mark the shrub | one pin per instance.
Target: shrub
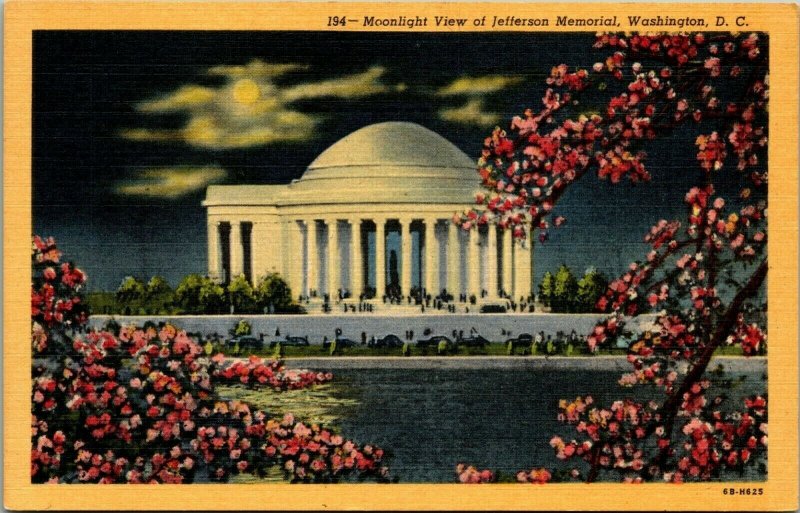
(241, 296)
(242, 328)
(272, 290)
(197, 294)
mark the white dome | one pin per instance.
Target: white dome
(392, 162)
(385, 163)
(397, 144)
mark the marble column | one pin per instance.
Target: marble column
(334, 262)
(507, 262)
(453, 261)
(522, 268)
(237, 252)
(295, 258)
(214, 251)
(431, 258)
(405, 250)
(491, 261)
(356, 259)
(380, 257)
(312, 255)
(474, 264)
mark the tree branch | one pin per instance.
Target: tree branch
(720, 334)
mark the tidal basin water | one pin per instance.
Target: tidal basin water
(494, 413)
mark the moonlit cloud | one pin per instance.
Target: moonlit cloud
(471, 113)
(250, 108)
(171, 182)
(150, 134)
(256, 68)
(186, 97)
(352, 86)
(478, 85)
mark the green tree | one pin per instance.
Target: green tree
(565, 290)
(159, 295)
(212, 297)
(187, 294)
(197, 294)
(273, 290)
(101, 302)
(241, 295)
(130, 295)
(546, 289)
(590, 288)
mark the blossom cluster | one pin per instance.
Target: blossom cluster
(468, 474)
(740, 232)
(612, 435)
(716, 440)
(304, 453)
(162, 395)
(54, 290)
(713, 440)
(140, 405)
(656, 83)
(256, 372)
(604, 332)
(662, 81)
(535, 476)
(672, 335)
(691, 281)
(750, 337)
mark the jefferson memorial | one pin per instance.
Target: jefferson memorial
(370, 217)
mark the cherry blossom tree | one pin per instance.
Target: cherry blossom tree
(141, 405)
(703, 274)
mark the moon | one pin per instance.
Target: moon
(246, 91)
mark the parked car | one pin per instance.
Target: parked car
(389, 341)
(345, 342)
(341, 343)
(434, 341)
(493, 309)
(474, 341)
(524, 340)
(246, 342)
(291, 342)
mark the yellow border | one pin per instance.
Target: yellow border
(21, 17)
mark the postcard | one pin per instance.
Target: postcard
(429, 256)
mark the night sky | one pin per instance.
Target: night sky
(129, 128)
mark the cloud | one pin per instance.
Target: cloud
(478, 85)
(471, 113)
(171, 182)
(250, 109)
(353, 86)
(150, 134)
(256, 68)
(186, 97)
